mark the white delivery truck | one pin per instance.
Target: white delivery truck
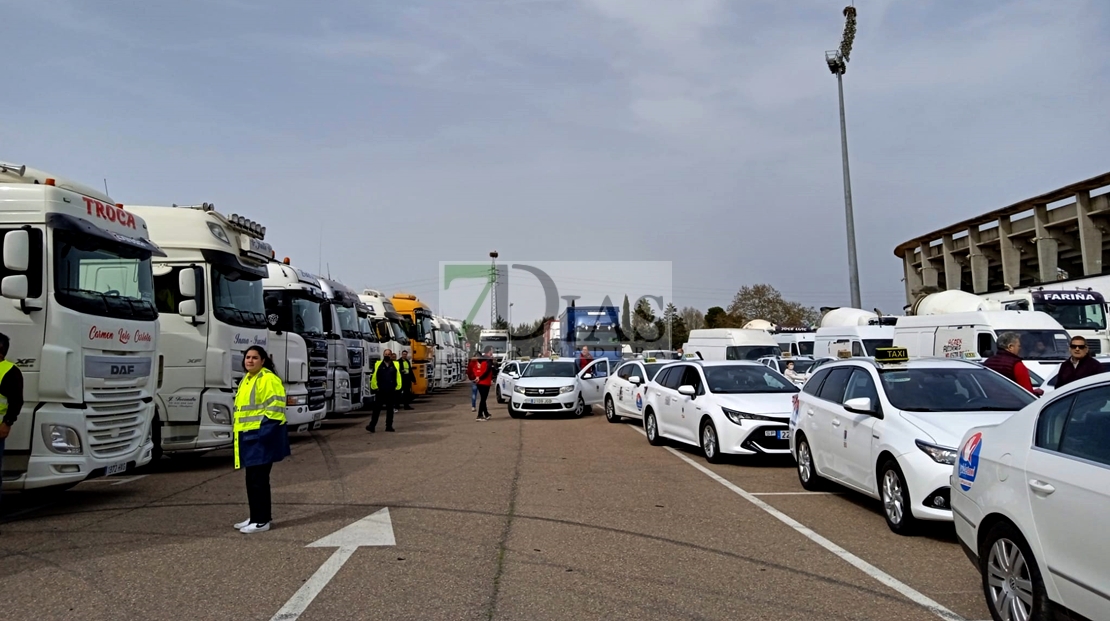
(795, 341)
(208, 289)
(387, 322)
(852, 330)
(972, 335)
(83, 327)
(294, 314)
(730, 344)
(1082, 312)
(344, 348)
(498, 340)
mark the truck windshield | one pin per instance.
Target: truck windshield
(307, 317)
(367, 330)
(500, 344)
(348, 322)
(599, 335)
(237, 300)
(952, 390)
(99, 277)
(1075, 316)
(751, 352)
(400, 332)
(873, 344)
(1042, 344)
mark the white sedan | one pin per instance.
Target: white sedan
(1030, 495)
(624, 390)
(735, 407)
(890, 430)
(557, 385)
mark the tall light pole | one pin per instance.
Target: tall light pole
(509, 349)
(838, 63)
(493, 289)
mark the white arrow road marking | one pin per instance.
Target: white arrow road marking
(375, 529)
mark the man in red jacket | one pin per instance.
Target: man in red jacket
(481, 373)
(585, 359)
(1007, 360)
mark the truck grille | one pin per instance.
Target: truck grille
(1094, 346)
(356, 388)
(317, 371)
(354, 357)
(114, 429)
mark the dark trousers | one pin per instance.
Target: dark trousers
(406, 393)
(258, 492)
(483, 392)
(383, 399)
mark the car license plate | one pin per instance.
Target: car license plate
(539, 401)
(783, 435)
(115, 469)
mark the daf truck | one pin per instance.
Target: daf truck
(84, 330)
(418, 317)
(344, 347)
(208, 290)
(294, 315)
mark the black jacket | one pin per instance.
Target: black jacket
(1069, 373)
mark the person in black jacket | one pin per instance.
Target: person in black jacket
(1079, 365)
(11, 392)
(407, 378)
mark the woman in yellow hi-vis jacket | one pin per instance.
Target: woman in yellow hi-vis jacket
(260, 434)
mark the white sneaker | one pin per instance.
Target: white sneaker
(241, 525)
(473, 409)
(255, 528)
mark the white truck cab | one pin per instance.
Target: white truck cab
(386, 322)
(208, 290)
(84, 332)
(344, 347)
(1082, 312)
(371, 347)
(731, 344)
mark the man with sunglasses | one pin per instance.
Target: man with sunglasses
(1079, 365)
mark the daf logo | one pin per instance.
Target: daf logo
(123, 369)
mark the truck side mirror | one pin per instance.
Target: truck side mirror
(17, 251)
(13, 287)
(188, 308)
(187, 285)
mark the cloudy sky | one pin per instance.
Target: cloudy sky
(404, 133)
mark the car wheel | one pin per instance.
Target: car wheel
(497, 394)
(580, 408)
(611, 411)
(651, 429)
(896, 499)
(1012, 580)
(710, 444)
(807, 471)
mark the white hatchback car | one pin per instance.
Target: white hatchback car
(624, 390)
(890, 430)
(736, 407)
(556, 385)
(1030, 495)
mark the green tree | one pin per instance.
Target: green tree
(672, 319)
(626, 319)
(765, 302)
(643, 322)
(717, 317)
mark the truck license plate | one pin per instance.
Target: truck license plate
(115, 469)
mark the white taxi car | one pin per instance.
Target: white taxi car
(736, 407)
(1030, 495)
(890, 429)
(557, 385)
(624, 390)
(506, 378)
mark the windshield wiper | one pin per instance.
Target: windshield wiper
(242, 315)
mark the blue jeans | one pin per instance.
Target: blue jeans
(473, 397)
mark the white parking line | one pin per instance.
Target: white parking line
(874, 572)
(795, 493)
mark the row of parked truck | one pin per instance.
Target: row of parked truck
(129, 324)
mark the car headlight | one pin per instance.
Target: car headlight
(298, 400)
(566, 389)
(61, 439)
(940, 454)
(219, 413)
(518, 390)
(738, 417)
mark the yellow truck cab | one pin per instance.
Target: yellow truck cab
(419, 324)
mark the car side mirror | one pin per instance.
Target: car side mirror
(635, 379)
(587, 376)
(687, 390)
(187, 284)
(514, 374)
(17, 252)
(13, 287)
(860, 405)
(188, 308)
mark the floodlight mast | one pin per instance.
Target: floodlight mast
(837, 61)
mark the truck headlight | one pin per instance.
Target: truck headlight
(298, 400)
(565, 389)
(219, 413)
(518, 390)
(940, 454)
(61, 439)
(345, 384)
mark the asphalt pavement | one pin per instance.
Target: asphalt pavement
(543, 518)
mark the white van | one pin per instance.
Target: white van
(795, 342)
(857, 340)
(1044, 342)
(731, 344)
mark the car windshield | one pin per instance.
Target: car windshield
(952, 390)
(872, 344)
(1042, 344)
(550, 369)
(751, 352)
(744, 379)
(800, 366)
(237, 299)
(652, 369)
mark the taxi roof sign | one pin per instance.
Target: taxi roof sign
(891, 354)
(649, 359)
